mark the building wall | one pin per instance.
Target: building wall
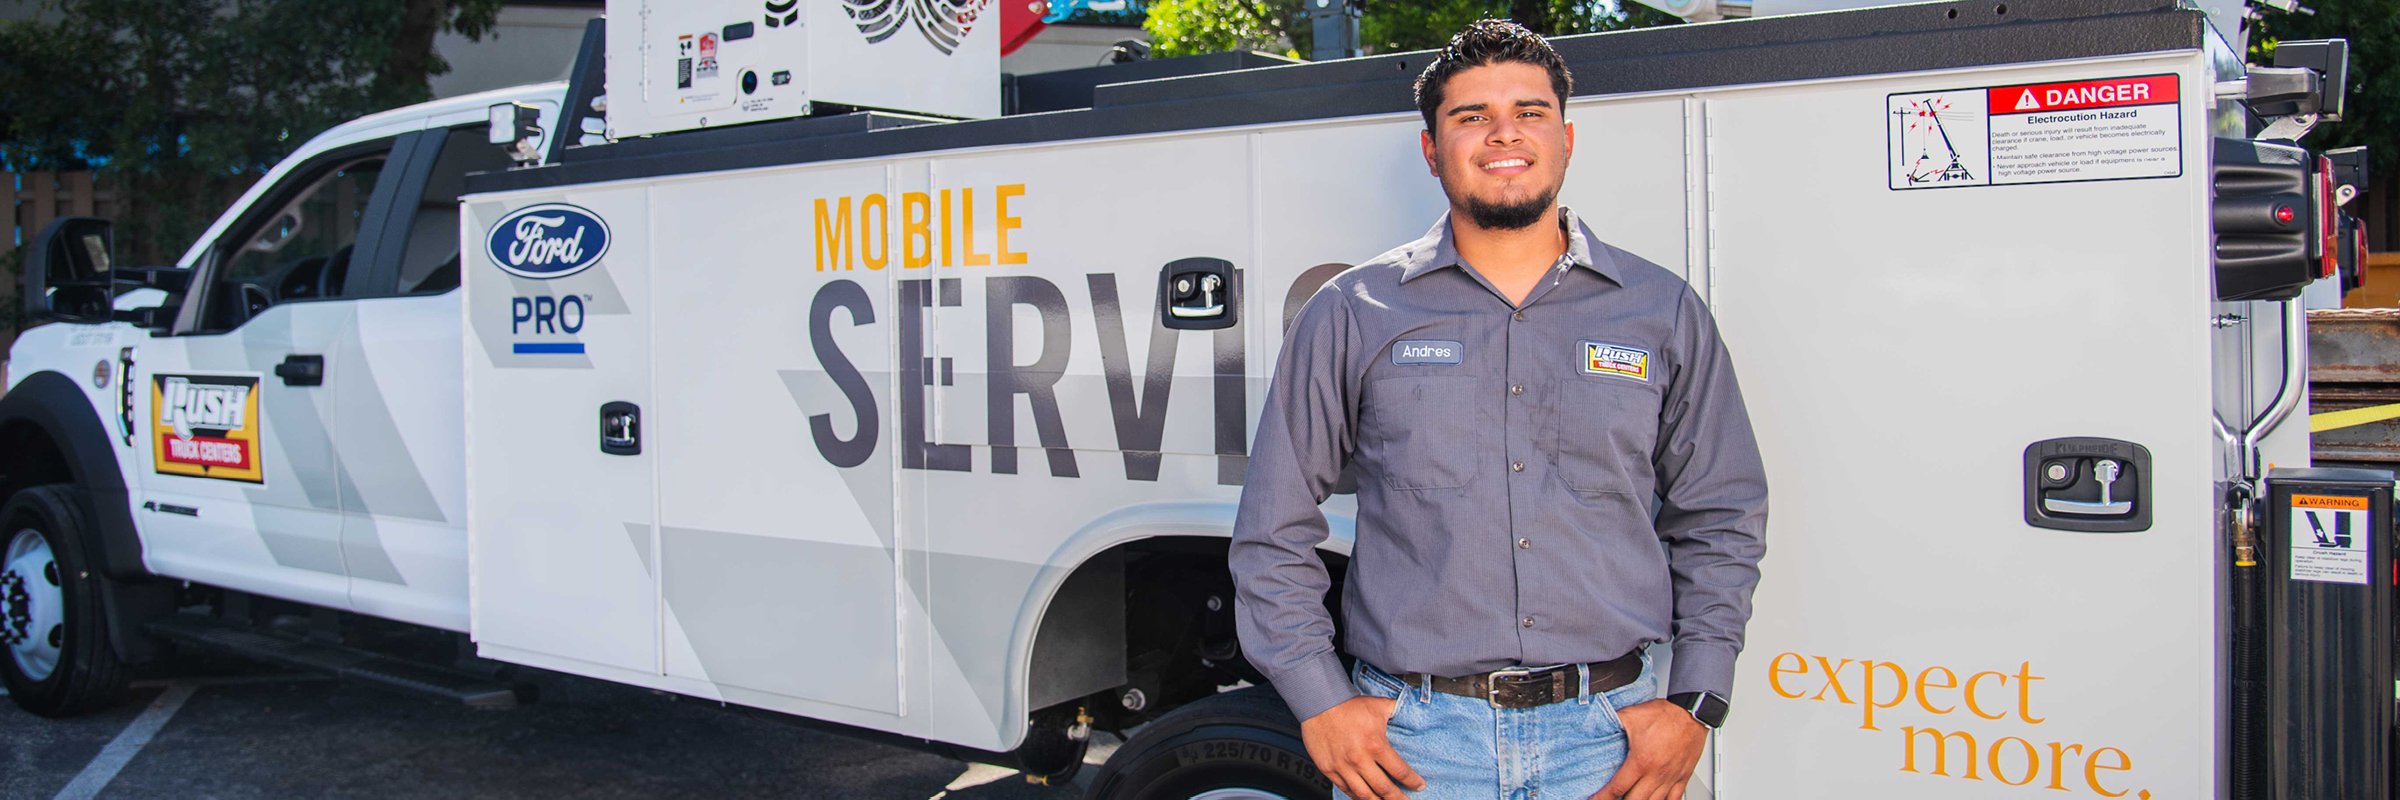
(530, 44)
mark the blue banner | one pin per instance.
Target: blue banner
(1060, 10)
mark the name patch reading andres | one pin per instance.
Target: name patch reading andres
(1427, 351)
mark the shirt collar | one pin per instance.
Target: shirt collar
(1436, 251)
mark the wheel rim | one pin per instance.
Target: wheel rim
(32, 606)
(1238, 794)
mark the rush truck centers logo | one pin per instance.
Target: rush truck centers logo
(206, 426)
(1602, 358)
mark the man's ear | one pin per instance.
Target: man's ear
(1425, 140)
(1570, 139)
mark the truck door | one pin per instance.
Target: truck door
(400, 435)
(235, 417)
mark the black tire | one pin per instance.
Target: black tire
(1243, 739)
(87, 675)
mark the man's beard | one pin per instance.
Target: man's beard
(1509, 216)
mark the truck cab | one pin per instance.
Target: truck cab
(288, 422)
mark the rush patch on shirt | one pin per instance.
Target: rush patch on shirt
(1427, 351)
(1602, 358)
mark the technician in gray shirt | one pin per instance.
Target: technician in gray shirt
(1516, 395)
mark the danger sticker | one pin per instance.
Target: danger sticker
(2116, 93)
(2094, 130)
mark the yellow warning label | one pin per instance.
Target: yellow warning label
(2329, 501)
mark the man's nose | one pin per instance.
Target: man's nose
(1505, 131)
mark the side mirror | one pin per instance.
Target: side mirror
(149, 297)
(70, 271)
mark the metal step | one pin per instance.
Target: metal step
(347, 663)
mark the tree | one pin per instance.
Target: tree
(183, 104)
(2372, 113)
(1186, 27)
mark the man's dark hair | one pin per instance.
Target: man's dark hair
(1490, 41)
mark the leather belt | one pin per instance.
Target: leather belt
(1530, 688)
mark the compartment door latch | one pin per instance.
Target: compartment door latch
(621, 428)
(1199, 294)
(2087, 484)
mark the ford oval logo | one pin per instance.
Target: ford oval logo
(551, 240)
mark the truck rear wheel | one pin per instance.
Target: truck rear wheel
(52, 621)
(1239, 745)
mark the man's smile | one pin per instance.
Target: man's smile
(1507, 166)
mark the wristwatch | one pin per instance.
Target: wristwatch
(1707, 707)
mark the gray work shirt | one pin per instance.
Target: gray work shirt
(1509, 457)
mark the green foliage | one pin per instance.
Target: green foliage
(1187, 27)
(1191, 27)
(2372, 115)
(183, 103)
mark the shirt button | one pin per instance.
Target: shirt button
(1524, 544)
(1519, 316)
(1516, 390)
(1517, 466)
(1529, 622)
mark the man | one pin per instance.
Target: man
(1518, 397)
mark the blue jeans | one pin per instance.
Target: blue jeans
(1465, 748)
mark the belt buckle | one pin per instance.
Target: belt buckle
(1491, 683)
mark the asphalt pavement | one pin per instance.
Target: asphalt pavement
(214, 727)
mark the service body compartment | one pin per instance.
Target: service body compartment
(561, 548)
(1900, 349)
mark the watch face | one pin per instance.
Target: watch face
(1706, 707)
(1710, 710)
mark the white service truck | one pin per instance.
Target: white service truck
(934, 428)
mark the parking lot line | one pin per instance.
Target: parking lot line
(129, 743)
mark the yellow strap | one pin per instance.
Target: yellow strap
(2337, 420)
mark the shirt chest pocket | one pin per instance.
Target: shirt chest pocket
(1424, 432)
(1603, 434)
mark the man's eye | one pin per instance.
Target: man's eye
(1471, 118)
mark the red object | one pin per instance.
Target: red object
(207, 451)
(1019, 21)
(2283, 214)
(2109, 93)
(2329, 223)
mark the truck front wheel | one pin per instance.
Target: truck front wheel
(1239, 745)
(52, 622)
